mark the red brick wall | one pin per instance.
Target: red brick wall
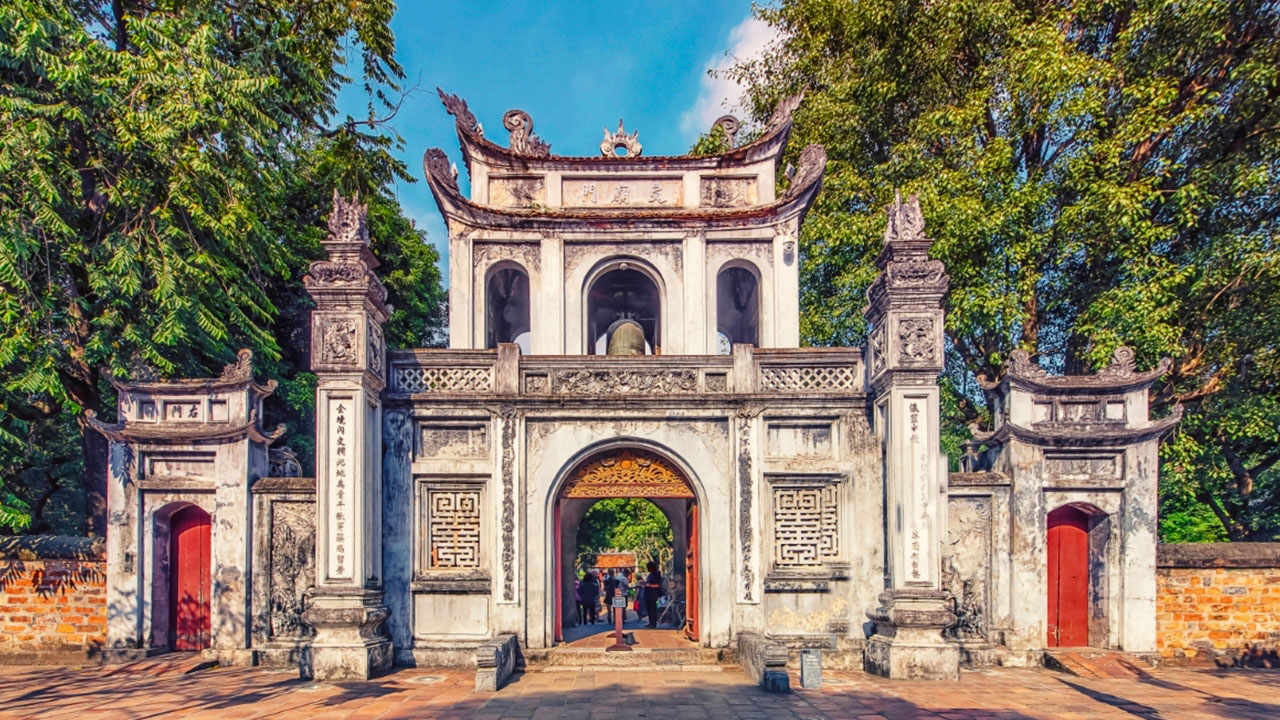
(1219, 603)
(52, 610)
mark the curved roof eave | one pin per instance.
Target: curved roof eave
(456, 208)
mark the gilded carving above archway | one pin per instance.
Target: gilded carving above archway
(626, 473)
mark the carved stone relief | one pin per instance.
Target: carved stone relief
(293, 566)
(725, 192)
(374, 349)
(576, 254)
(338, 341)
(877, 349)
(624, 382)
(527, 254)
(966, 560)
(517, 192)
(916, 340)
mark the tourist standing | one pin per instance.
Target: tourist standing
(625, 588)
(588, 596)
(652, 587)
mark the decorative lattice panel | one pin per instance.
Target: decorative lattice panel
(441, 379)
(454, 529)
(810, 379)
(806, 526)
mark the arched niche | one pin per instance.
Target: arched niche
(623, 290)
(507, 311)
(737, 306)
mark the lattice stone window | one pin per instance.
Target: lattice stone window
(806, 525)
(810, 379)
(416, 379)
(453, 529)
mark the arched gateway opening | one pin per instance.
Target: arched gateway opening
(628, 473)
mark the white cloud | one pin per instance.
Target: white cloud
(720, 95)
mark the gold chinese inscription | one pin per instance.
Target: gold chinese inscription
(626, 473)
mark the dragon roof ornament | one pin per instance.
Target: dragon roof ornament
(465, 119)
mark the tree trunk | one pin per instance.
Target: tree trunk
(94, 445)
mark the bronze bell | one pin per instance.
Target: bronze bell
(627, 339)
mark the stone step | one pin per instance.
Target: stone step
(633, 668)
(1097, 663)
(599, 658)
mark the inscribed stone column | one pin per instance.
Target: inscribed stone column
(906, 355)
(347, 357)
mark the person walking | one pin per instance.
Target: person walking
(652, 591)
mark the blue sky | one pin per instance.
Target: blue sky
(576, 67)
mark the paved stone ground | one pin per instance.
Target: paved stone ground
(161, 689)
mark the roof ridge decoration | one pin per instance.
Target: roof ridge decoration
(347, 220)
(730, 126)
(522, 140)
(783, 111)
(1120, 371)
(463, 117)
(620, 140)
(812, 163)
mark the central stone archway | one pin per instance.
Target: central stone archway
(628, 472)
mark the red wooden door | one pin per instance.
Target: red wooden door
(1068, 578)
(189, 579)
(559, 621)
(691, 626)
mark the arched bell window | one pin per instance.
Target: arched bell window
(623, 299)
(507, 308)
(737, 308)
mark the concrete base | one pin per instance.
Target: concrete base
(347, 644)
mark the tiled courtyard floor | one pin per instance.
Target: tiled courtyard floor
(160, 690)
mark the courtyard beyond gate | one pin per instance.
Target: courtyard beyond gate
(166, 688)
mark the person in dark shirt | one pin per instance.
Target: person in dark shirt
(588, 595)
(652, 591)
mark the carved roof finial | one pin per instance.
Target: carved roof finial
(782, 113)
(812, 163)
(523, 141)
(906, 224)
(730, 125)
(347, 220)
(436, 164)
(457, 107)
(620, 140)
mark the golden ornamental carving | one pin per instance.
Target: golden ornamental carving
(626, 473)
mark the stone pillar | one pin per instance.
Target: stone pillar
(905, 356)
(348, 358)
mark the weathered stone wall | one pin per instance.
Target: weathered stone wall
(1219, 602)
(53, 599)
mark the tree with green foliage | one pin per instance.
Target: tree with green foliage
(164, 173)
(630, 525)
(1095, 173)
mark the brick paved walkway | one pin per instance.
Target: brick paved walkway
(161, 689)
